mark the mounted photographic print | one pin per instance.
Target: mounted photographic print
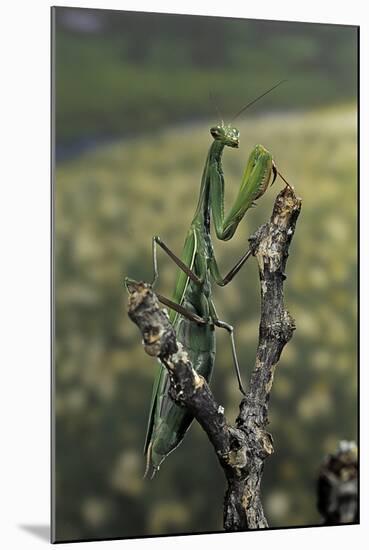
(205, 192)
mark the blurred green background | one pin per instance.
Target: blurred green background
(132, 131)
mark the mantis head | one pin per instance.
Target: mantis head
(226, 134)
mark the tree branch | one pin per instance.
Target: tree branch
(241, 449)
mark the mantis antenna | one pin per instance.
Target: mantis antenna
(257, 99)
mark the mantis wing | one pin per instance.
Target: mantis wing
(188, 257)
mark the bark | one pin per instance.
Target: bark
(243, 447)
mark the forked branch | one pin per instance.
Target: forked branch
(241, 448)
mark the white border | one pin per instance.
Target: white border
(25, 237)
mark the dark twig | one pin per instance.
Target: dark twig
(241, 449)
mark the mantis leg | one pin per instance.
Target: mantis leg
(201, 321)
(223, 281)
(230, 330)
(157, 240)
(182, 311)
(256, 178)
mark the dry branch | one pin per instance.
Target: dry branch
(241, 449)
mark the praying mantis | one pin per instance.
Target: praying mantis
(192, 311)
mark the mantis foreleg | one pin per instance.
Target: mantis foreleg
(255, 181)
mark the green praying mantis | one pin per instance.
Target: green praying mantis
(192, 311)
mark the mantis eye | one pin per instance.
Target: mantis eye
(215, 132)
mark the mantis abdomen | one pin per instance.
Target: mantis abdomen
(171, 421)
